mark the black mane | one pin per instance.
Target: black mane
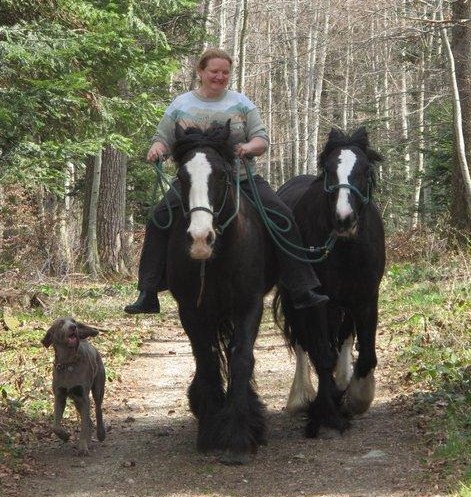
(338, 138)
(215, 137)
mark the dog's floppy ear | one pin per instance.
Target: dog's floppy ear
(85, 331)
(47, 340)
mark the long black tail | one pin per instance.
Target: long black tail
(282, 313)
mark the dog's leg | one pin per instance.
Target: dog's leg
(82, 404)
(60, 399)
(98, 392)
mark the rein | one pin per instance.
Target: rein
(276, 232)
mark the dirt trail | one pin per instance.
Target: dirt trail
(150, 448)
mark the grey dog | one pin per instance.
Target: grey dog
(78, 368)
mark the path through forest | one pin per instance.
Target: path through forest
(150, 446)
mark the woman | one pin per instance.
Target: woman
(212, 103)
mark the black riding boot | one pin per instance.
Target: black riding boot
(309, 298)
(146, 303)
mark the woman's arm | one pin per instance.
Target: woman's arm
(256, 146)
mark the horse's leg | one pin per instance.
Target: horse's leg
(324, 410)
(344, 366)
(242, 422)
(361, 390)
(205, 393)
(302, 392)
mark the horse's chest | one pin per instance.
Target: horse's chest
(349, 273)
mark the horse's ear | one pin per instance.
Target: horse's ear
(335, 134)
(360, 137)
(179, 131)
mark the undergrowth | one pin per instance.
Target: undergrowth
(426, 307)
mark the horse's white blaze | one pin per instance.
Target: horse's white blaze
(302, 391)
(347, 161)
(201, 224)
(344, 367)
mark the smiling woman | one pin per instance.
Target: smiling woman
(214, 77)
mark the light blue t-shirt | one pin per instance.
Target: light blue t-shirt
(192, 110)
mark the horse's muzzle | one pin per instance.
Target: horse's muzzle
(201, 245)
(346, 227)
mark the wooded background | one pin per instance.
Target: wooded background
(84, 83)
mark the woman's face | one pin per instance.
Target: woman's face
(215, 76)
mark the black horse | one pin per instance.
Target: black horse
(221, 263)
(337, 206)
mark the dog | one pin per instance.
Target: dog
(78, 368)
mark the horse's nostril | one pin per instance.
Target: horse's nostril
(189, 237)
(210, 238)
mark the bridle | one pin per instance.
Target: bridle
(365, 199)
(228, 183)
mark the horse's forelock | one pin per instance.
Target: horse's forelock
(195, 138)
(338, 138)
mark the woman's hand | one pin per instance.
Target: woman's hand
(158, 149)
(256, 146)
(242, 149)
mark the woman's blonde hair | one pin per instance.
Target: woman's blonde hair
(212, 53)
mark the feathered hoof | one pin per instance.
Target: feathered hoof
(312, 428)
(359, 395)
(317, 428)
(354, 406)
(326, 433)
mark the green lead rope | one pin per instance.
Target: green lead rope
(275, 231)
(162, 178)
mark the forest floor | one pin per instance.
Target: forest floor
(150, 444)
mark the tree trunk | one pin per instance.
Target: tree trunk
(89, 234)
(269, 110)
(243, 34)
(313, 38)
(460, 75)
(222, 23)
(346, 71)
(111, 215)
(316, 111)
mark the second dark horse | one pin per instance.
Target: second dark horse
(338, 205)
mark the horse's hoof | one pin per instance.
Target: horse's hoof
(297, 409)
(83, 452)
(312, 429)
(359, 395)
(328, 433)
(101, 433)
(235, 458)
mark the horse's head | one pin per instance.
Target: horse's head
(204, 166)
(347, 164)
